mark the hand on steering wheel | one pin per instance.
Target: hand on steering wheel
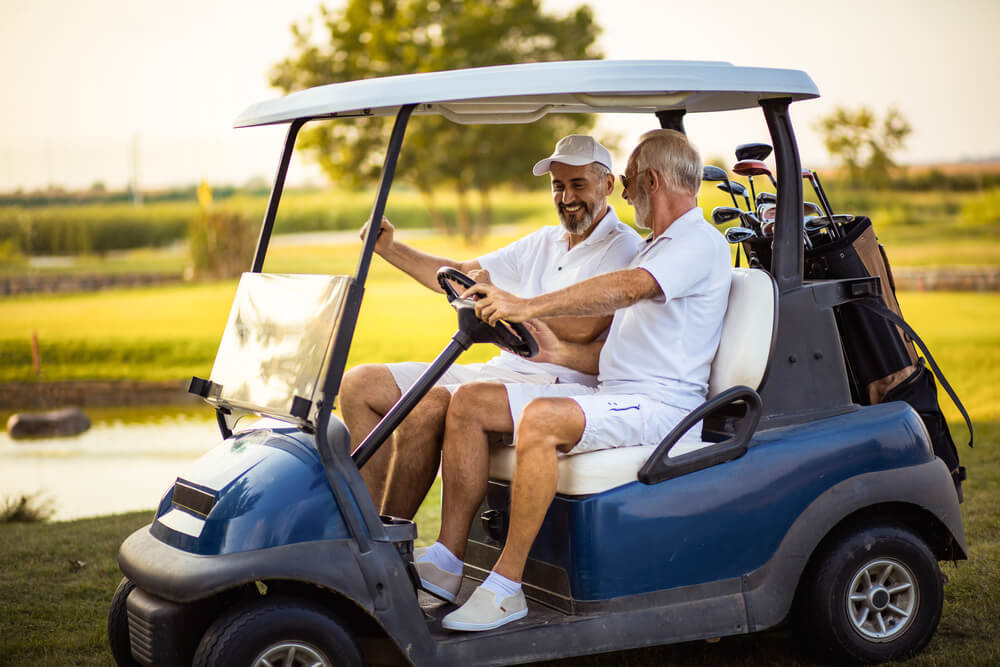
(512, 336)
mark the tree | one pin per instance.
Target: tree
(368, 38)
(863, 145)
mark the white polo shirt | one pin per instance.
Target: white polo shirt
(663, 348)
(543, 262)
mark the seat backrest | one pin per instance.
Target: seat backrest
(746, 343)
(747, 332)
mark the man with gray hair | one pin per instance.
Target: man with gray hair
(590, 241)
(668, 307)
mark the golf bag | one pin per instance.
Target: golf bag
(883, 364)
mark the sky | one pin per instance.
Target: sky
(99, 90)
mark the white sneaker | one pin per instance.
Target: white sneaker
(482, 611)
(434, 580)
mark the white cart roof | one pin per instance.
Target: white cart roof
(524, 93)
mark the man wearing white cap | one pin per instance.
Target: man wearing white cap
(590, 241)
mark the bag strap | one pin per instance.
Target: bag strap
(883, 311)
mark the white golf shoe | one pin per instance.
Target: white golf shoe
(434, 580)
(482, 611)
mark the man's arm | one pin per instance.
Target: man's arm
(600, 295)
(552, 349)
(421, 266)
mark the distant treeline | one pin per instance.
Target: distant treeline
(99, 195)
(955, 181)
(100, 228)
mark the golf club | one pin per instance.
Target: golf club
(739, 234)
(712, 174)
(721, 214)
(753, 151)
(766, 212)
(811, 208)
(751, 168)
(818, 189)
(766, 198)
(734, 188)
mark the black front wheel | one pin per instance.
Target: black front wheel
(118, 637)
(876, 596)
(282, 631)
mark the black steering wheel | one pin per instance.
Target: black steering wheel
(511, 336)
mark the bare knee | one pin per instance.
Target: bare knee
(549, 423)
(481, 403)
(369, 385)
(430, 412)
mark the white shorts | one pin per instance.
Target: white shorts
(612, 420)
(406, 373)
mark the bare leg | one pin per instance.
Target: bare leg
(547, 426)
(366, 394)
(416, 455)
(475, 409)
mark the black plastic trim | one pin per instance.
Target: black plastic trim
(660, 467)
(193, 497)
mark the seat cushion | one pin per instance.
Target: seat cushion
(582, 474)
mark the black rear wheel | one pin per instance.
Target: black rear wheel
(280, 631)
(876, 596)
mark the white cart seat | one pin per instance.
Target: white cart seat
(744, 348)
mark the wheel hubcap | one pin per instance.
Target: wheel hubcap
(291, 654)
(882, 599)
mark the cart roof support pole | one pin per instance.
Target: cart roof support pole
(787, 260)
(272, 203)
(388, 172)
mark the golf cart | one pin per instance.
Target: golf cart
(269, 548)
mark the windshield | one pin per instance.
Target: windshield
(276, 345)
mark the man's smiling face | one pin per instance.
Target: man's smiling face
(579, 194)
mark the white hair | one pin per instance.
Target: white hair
(671, 154)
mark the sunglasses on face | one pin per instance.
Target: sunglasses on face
(626, 180)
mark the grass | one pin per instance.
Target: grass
(56, 582)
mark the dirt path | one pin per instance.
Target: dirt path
(47, 395)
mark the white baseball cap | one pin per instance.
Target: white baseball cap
(576, 150)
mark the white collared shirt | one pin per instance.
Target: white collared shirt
(663, 348)
(543, 262)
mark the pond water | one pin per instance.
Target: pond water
(117, 466)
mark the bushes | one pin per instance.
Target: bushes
(219, 242)
(73, 230)
(981, 210)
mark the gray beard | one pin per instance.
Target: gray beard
(579, 227)
(641, 208)
(586, 220)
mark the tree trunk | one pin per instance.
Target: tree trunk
(438, 223)
(485, 214)
(462, 217)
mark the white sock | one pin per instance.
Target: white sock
(501, 586)
(439, 554)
